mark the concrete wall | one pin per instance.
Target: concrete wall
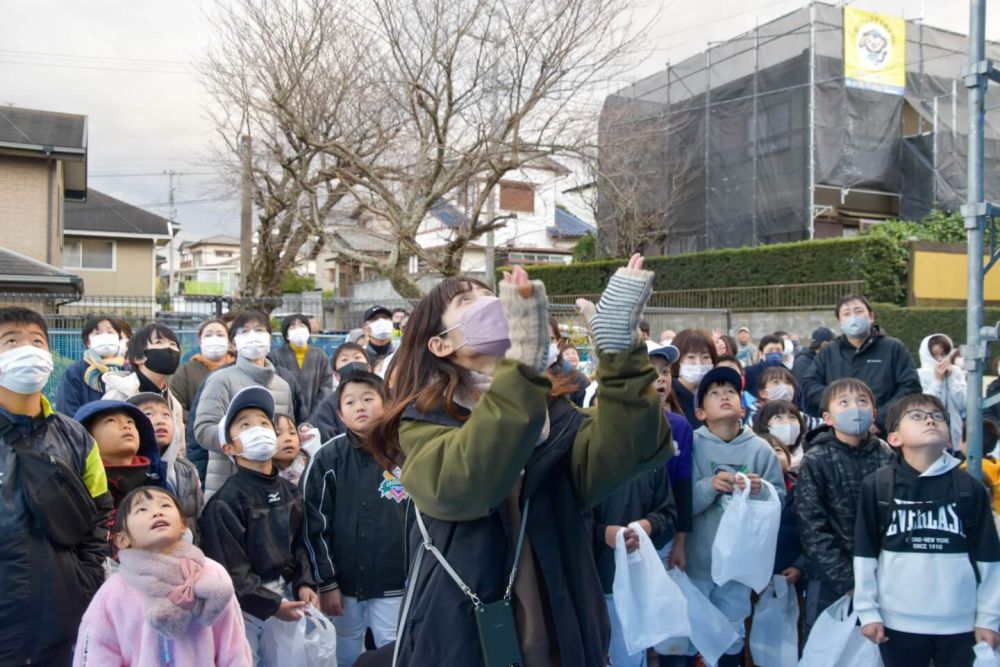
(23, 209)
(133, 274)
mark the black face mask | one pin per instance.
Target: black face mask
(163, 360)
(351, 369)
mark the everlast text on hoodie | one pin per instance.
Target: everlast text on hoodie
(933, 569)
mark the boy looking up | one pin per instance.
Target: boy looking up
(181, 473)
(253, 524)
(355, 524)
(927, 584)
(838, 457)
(722, 448)
(348, 357)
(48, 582)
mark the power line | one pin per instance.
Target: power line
(76, 56)
(152, 173)
(91, 67)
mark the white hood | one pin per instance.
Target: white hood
(926, 358)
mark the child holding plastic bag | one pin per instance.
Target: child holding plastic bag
(167, 604)
(486, 449)
(724, 447)
(646, 500)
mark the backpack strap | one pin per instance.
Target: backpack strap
(885, 484)
(965, 490)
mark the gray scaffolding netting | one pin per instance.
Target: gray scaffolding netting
(715, 151)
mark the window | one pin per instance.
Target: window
(517, 197)
(536, 258)
(223, 254)
(89, 254)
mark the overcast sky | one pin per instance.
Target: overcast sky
(129, 66)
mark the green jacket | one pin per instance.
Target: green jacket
(461, 473)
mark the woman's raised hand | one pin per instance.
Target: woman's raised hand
(527, 309)
(519, 279)
(614, 321)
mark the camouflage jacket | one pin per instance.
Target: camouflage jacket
(826, 503)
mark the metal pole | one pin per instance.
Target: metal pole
(975, 222)
(812, 123)
(172, 284)
(756, 129)
(708, 97)
(934, 155)
(246, 212)
(490, 216)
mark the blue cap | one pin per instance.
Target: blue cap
(719, 374)
(147, 435)
(668, 352)
(248, 397)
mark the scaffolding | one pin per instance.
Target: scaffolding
(758, 140)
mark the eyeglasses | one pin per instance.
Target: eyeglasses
(922, 415)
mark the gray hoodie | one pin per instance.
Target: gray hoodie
(745, 453)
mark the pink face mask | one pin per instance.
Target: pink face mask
(485, 327)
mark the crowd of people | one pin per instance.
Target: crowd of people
(449, 485)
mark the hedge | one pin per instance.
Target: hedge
(912, 325)
(832, 260)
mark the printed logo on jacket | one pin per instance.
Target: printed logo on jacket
(925, 526)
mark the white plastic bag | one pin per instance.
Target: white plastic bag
(774, 634)
(649, 604)
(747, 538)
(320, 638)
(985, 656)
(836, 640)
(711, 632)
(281, 644)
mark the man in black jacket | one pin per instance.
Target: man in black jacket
(47, 585)
(806, 357)
(865, 353)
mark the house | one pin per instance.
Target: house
(209, 266)
(778, 135)
(43, 163)
(539, 227)
(112, 245)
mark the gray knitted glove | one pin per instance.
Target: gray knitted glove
(528, 320)
(614, 322)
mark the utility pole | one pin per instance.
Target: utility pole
(172, 284)
(246, 214)
(978, 213)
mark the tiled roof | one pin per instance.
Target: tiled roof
(18, 269)
(103, 213)
(569, 226)
(43, 128)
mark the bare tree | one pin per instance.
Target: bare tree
(643, 168)
(400, 105)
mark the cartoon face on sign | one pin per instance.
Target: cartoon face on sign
(391, 488)
(873, 45)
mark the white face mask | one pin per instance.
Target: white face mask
(214, 347)
(25, 369)
(787, 433)
(551, 355)
(381, 329)
(106, 344)
(252, 345)
(259, 443)
(780, 392)
(298, 336)
(693, 373)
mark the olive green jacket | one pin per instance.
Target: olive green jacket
(460, 474)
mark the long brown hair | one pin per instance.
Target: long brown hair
(420, 377)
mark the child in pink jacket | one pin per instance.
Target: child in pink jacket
(167, 604)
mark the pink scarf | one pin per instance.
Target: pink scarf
(176, 592)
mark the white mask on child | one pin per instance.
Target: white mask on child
(787, 433)
(780, 392)
(259, 443)
(25, 370)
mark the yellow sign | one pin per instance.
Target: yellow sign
(874, 51)
(939, 276)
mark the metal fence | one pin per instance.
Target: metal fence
(67, 346)
(739, 299)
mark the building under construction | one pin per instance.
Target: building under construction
(774, 136)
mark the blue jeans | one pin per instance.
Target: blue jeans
(617, 651)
